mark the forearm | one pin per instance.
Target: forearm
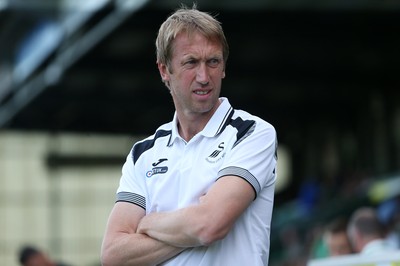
(204, 223)
(181, 228)
(136, 249)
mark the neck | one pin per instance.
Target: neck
(365, 241)
(190, 123)
(188, 127)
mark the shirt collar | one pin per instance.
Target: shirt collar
(375, 246)
(175, 132)
(216, 124)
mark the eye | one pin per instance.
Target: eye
(214, 62)
(190, 62)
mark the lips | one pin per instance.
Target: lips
(202, 92)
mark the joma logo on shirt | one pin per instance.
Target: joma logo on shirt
(159, 169)
(214, 156)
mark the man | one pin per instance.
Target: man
(31, 256)
(200, 190)
(336, 238)
(366, 233)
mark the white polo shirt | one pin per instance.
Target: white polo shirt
(164, 173)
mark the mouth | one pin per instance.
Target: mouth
(202, 92)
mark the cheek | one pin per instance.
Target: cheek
(179, 85)
(184, 79)
(217, 81)
(218, 75)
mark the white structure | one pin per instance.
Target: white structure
(62, 210)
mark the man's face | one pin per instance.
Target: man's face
(338, 244)
(197, 69)
(39, 260)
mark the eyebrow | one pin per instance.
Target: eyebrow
(192, 56)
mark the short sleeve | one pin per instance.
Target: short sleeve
(131, 186)
(254, 157)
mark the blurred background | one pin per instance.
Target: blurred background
(79, 84)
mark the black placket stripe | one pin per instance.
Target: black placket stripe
(225, 121)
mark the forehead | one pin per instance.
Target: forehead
(195, 43)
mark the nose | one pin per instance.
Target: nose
(202, 75)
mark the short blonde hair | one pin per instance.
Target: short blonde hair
(189, 21)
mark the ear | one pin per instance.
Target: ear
(223, 73)
(163, 71)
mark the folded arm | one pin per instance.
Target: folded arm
(203, 223)
(123, 246)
